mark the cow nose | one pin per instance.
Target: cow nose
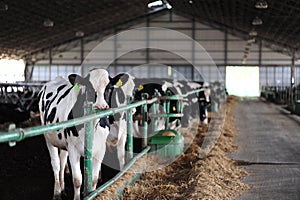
(101, 107)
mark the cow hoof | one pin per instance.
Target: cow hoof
(64, 194)
(57, 197)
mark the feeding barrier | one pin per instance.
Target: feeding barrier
(15, 135)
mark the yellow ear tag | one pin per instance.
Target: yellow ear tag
(76, 87)
(119, 83)
(174, 108)
(140, 87)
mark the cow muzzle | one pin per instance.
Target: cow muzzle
(101, 106)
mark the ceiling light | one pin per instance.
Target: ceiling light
(159, 4)
(261, 4)
(79, 34)
(155, 4)
(168, 5)
(190, 2)
(48, 23)
(257, 21)
(253, 33)
(252, 40)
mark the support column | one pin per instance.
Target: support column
(193, 48)
(50, 63)
(225, 53)
(292, 80)
(81, 55)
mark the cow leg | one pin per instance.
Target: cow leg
(96, 171)
(74, 157)
(205, 121)
(63, 161)
(121, 144)
(53, 151)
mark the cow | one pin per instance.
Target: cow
(24, 109)
(151, 90)
(61, 100)
(218, 92)
(192, 105)
(12, 113)
(204, 102)
(119, 88)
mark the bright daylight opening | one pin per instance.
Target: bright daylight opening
(242, 81)
(11, 70)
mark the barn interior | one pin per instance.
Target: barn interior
(250, 47)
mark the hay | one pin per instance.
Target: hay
(215, 177)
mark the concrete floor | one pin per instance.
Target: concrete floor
(269, 149)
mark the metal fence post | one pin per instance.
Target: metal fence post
(129, 130)
(153, 112)
(88, 146)
(145, 122)
(167, 109)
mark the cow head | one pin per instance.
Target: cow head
(99, 79)
(118, 88)
(83, 85)
(93, 85)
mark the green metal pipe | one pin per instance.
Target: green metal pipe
(167, 109)
(145, 122)
(180, 96)
(129, 130)
(179, 106)
(20, 134)
(168, 115)
(88, 146)
(120, 174)
(153, 110)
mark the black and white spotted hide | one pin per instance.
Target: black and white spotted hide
(119, 88)
(63, 99)
(204, 103)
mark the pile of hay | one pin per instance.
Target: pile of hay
(214, 177)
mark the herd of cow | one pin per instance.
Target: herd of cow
(64, 99)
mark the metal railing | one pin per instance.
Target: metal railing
(17, 135)
(280, 93)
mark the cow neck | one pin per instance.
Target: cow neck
(76, 112)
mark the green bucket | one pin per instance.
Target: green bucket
(167, 144)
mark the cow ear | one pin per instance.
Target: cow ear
(74, 78)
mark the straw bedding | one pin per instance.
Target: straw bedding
(214, 177)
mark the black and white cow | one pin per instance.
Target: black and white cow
(203, 101)
(119, 88)
(12, 113)
(192, 106)
(151, 90)
(62, 100)
(22, 110)
(218, 92)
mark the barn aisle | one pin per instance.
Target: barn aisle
(269, 149)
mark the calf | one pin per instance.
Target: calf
(117, 91)
(61, 100)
